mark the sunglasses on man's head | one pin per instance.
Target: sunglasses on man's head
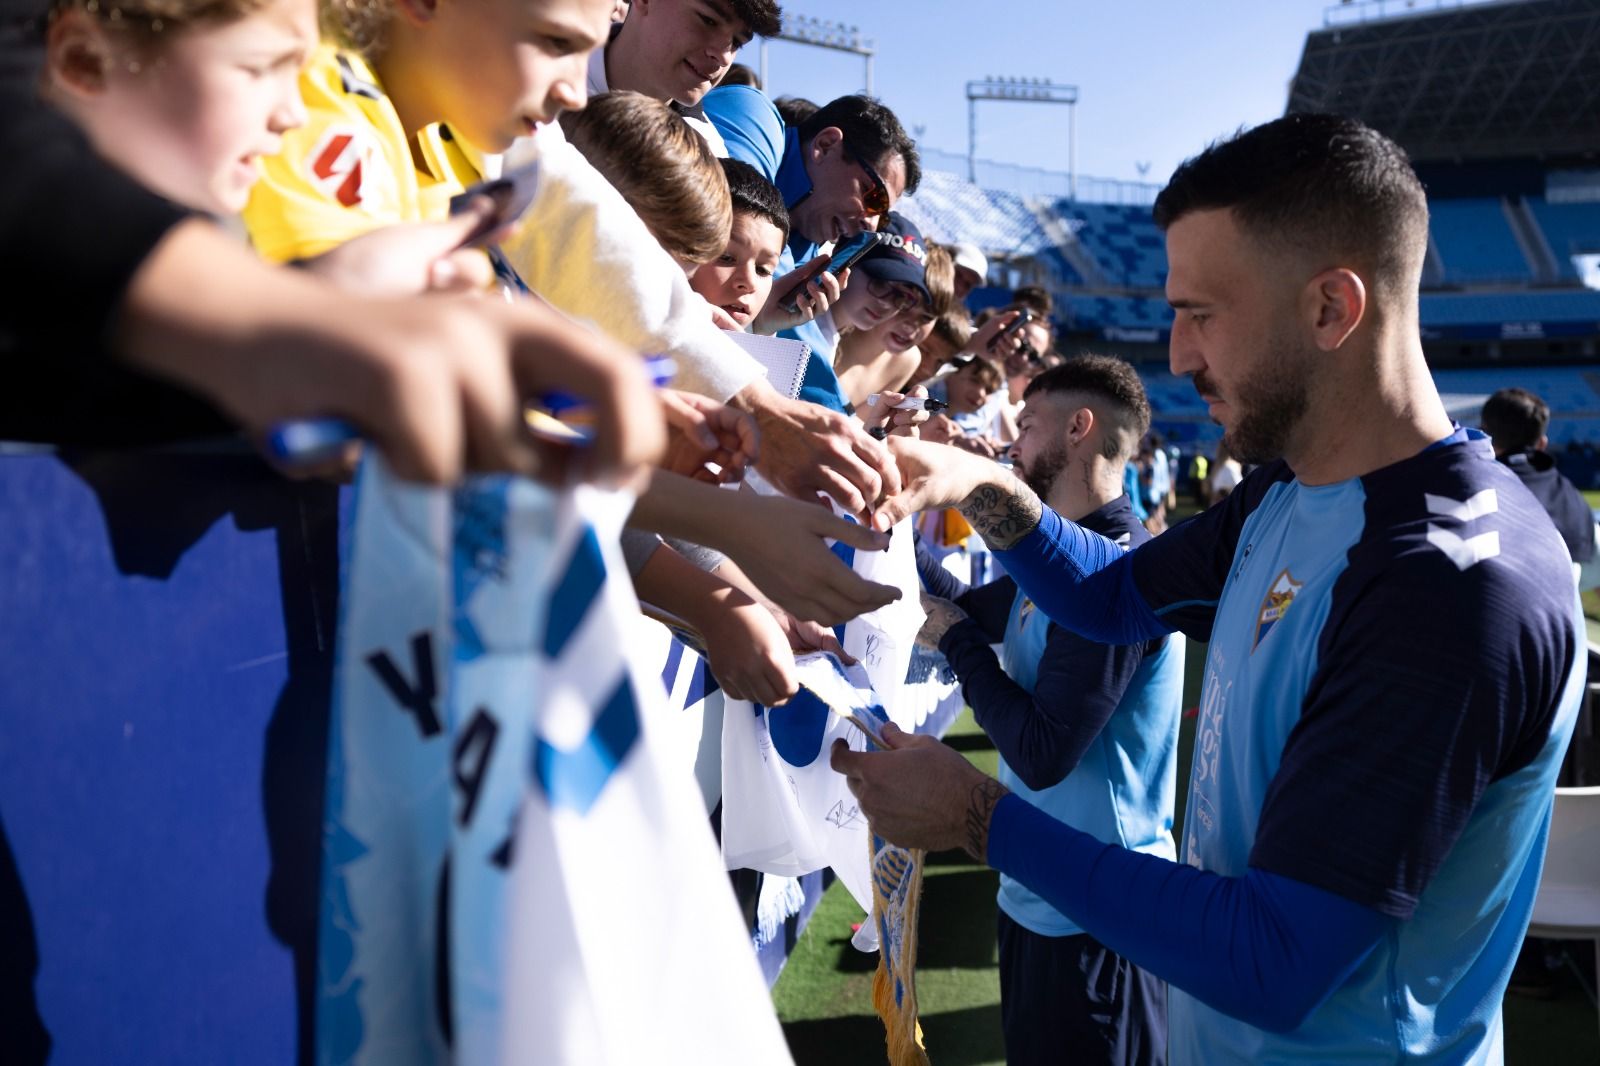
(876, 198)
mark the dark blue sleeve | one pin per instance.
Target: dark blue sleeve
(1082, 582)
(990, 607)
(936, 579)
(1262, 948)
(1170, 583)
(1043, 734)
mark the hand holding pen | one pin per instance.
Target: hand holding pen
(898, 413)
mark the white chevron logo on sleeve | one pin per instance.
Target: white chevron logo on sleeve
(1465, 552)
(1485, 502)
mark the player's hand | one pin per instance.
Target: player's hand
(807, 450)
(921, 793)
(941, 616)
(937, 476)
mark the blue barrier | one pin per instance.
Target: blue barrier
(166, 656)
(167, 636)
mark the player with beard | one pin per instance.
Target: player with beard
(1396, 651)
(1086, 731)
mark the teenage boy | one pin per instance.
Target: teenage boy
(676, 51)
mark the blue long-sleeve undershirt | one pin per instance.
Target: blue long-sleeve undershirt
(1082, 582)
(1262, 948)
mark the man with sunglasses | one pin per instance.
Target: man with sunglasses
(839, 172)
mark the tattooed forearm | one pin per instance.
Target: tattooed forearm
(942, 614)
(1002, 513)
(985, 794)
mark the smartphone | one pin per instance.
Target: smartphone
(844, 256)
(1021, 320)
(512, 194)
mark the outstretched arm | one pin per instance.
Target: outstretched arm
(1263, 948)
(1082, 581)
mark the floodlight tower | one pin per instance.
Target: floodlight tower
(1036, 90)
(823, 34)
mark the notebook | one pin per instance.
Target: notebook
(784, 359)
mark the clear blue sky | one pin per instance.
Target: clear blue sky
(1157, 79)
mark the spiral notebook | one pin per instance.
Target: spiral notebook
(784, 359)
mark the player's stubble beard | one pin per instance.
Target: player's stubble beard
(1046, 467)
(1269, 404)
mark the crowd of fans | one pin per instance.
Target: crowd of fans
(674, 203)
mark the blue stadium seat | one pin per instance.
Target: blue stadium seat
(1095, 313)
(1475, 242)
(1573, 394)
(1569, 228)
(1463, 309)
(949, 208)
(1123, 239)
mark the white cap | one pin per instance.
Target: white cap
(967, 255)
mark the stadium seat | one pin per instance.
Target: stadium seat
(1475, 242)
(1569, 229)
(1123, 239)
(950, 208)
(1568, 904)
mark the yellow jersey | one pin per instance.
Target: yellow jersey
(350, 168)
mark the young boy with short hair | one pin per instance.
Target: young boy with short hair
(740, 279)
(665, 171)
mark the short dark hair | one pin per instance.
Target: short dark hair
(795, 109)
(764, 17)
(1515, 419)
(1035, 298)
(1111, 380)
(986, 371)
(1318, 183)
(869, 128)
(739, 74)
(755, 195)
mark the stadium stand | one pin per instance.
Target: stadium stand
(998, 222)
(1569, 229)
(1474, 242)
(1122, 238)
(1511, 314)
(1498, 104)
(1098, 314)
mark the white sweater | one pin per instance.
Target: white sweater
(582, 248)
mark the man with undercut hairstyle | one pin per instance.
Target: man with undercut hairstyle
(676, 51)
(1396, 653)
(1086, 731)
